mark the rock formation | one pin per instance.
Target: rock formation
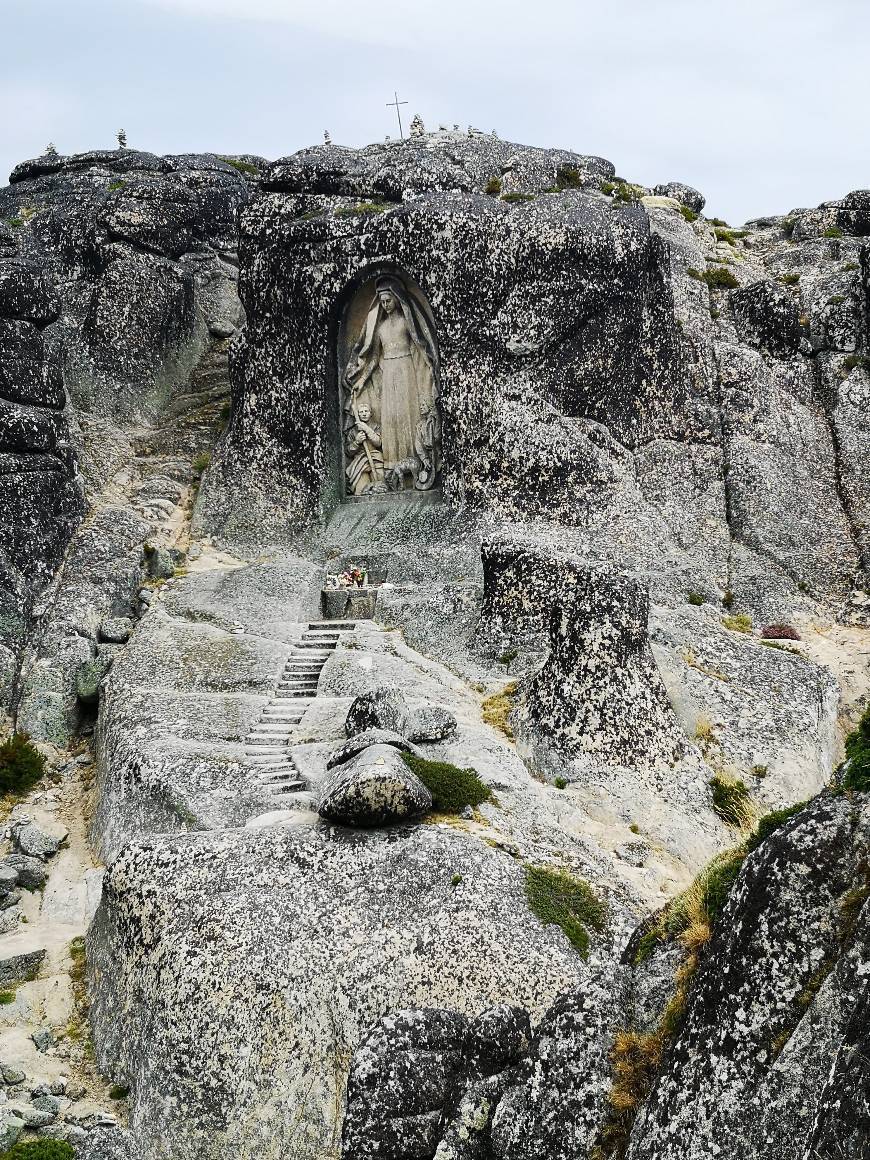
(544, 850)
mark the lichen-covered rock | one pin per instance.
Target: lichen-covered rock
(373, 788)
(767, 315)
(599, 696)
(318, 938)
(684, 194)
(430, 723)
(382, 708)
(764, 1057)
(360, 741)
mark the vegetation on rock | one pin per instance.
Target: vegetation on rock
(717, 277)
(40, 1150)
(452, 788)
(857, 775)
(556, 896)
(731, 800)
(21, 764)
(740, 622)
(496, 710)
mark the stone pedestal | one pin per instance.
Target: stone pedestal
(348, 603)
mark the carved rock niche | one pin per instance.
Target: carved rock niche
(389, 413)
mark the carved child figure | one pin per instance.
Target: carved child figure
(365, 468)
(426, 442)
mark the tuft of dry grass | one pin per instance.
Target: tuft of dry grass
(497, 709)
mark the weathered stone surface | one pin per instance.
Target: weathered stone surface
(19, 960)
(731, 1073)
(599, 695)
(373, 788)
(319, 939)
(360, 741)
(767, 315)
(32, 874)
(36, 842)
(382, 708)
(684, 194)
(430, 723)
(116, 630)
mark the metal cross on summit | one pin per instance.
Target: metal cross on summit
(397, 102)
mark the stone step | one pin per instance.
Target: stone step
(255, 750)
(333, 625)
(290, 787)
(274, 768)
(316, 644)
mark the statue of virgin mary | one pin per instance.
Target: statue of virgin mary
(392, 368)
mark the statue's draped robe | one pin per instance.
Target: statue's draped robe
(393, 376)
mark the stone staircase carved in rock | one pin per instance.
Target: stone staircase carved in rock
(267, 746)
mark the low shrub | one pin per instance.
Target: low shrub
(627, 193)
(560, 782)
(852, 361)
(718, 222)
(361, 209)
(568, 177)
(717, 277)
(118, 1091)
(21, 764)
(40, 1150)
(857, 775)
(493, 187)
(780, 632)
(516, 196)
(740, 622)
(6, 997)
(452, 788)
(833, 232)
(201, 462)
(508, 657)
(731, 800)
(790, 279)
(695, 598)
(555, 896)
(788, 225)
(242, 166)
(688, 213)
(729, 236)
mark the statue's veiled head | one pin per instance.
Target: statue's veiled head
(388, 290)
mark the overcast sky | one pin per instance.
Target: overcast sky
(761, 104)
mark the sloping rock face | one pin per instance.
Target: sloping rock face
(770, 1055)
(282, 907)
(117, 279)
(40, 494)
(556, 319)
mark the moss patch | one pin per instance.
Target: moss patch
(40, 1150)
(555, 896)
(717, 277)
(452, 788)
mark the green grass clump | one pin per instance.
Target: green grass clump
(21, 764)
(6, 997)
(729, 236)
(555, 896)
(114, 186)
(119, 1091)
(695, 598)
(15, 222)
(718, 222)
(739, 622)
(717, 277)
(790, 279)
(362, 209)
(493, 187)
(788, 225)
(858, 752)
(688, 213)
(515, 197)
(769, 823)
(201, 462)
(559, 782)
(731, 800)
(833, 232)
(40, 1150)
(242, 166)
(452, 788)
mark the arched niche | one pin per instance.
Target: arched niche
(388, 391)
